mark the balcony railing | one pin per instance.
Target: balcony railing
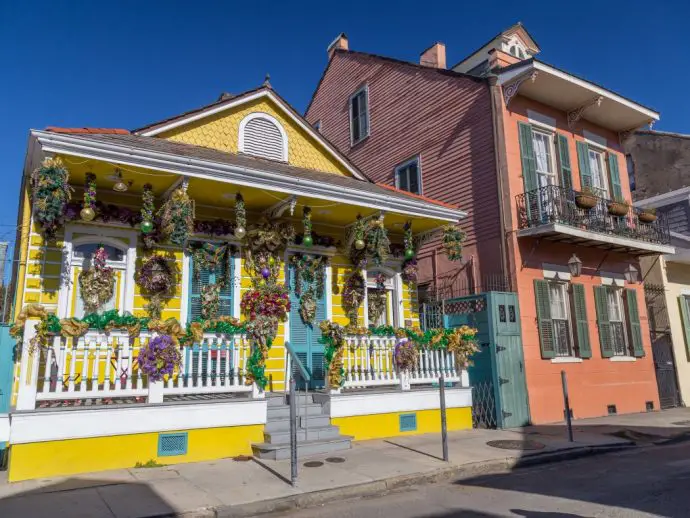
(553, 204)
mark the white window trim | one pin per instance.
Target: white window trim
(612, 279)
(551, 134)
(569, 315)
(594, 139)
(555, 272)
(365, 89)
(105, 235)
(269, 118)
(395, 303)
(624, 321)
(566, 359)
(415, 159)
(604, 167)
(623, 359)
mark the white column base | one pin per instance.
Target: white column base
(155, 392)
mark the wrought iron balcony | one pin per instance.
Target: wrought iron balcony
(558, 214)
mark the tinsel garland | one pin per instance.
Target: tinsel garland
(157, 278)
(90, 191)
(377, 301)
(378, 244)
(306, 222)
(177, 217)
(148, 214)
(408, 241)
(333, 338)
(240, 212)
(309, 271)
(261, 331)
(353, 295)
(318, 240)
(307, 306)
(410, 270)
(453, 238)
(359, 257)
(211, 257)
(210, 300)
(50, 194)
(265, 244)
(97, 283)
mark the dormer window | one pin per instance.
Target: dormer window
(515, 48)
(263, 136)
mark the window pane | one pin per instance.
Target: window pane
(355, 118)
(402, 180)
(413, 178)
(557, 298)
(542, 152)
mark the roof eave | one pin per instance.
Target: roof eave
(250, 177)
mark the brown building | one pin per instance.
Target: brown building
(534, 155)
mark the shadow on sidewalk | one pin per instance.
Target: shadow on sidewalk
(87, 498)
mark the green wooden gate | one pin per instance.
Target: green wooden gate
(304, 338)
(498, 373)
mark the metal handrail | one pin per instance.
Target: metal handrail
(303, 369)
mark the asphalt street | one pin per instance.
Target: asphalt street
(651, 481)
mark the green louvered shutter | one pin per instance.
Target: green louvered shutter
(634, 320)
(685, 316)
(541, 293)
(581, 324)
(602, 306)
(583, 162)
(614, 173)
(564, 155)
(207, 277)
(529, 163)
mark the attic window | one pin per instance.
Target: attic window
(262, 135)
(515, 48)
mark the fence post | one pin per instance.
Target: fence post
(444, 423)
(155, 392)
(28, 370)
(405, 380)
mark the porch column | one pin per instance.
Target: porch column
(28, 370)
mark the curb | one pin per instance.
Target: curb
(380, 487)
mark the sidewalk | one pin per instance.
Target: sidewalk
(235, 488)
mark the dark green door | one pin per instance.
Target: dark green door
(504, 318)
(304, 338)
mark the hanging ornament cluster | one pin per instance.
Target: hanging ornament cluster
(408, 241)
(378, 244)
(307, 240)
(240, 217)
(177, 217)
(377, 299)
(353, 296)
(88, 212)
(97, 283)
(50, 193)
(157, 278)
(453, 238)
(147, 208)
(309, 283)
(358, 254)
(409, 266)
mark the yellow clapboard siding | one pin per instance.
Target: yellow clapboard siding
(171, 303)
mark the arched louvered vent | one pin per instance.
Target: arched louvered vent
(261, 135)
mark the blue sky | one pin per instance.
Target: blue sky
(124, 64)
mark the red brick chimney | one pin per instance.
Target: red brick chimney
(339, 43)
(434, 56)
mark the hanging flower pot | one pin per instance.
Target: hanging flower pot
(647, 216)
(617, 208)
(586, 200)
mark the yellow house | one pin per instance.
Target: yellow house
(226, 236)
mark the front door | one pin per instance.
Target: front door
(664, 365)
(304, 337)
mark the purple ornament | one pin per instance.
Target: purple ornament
(265, 272)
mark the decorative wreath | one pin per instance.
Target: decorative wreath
(159, 357)
(97, 283)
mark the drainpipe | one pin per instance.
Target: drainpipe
(504, 205)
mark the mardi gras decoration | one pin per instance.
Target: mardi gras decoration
(408, 241)
(333, 338)
(378, 244)
(353, 295)
(50, 193)
(263, 251)
(147, 208)
(307, 240)
(309, 272)
(240, 217)
(177, 217)
(453, 238)
(261, 332)
(159, 357)
(377, 299)
(405, 354)
(358, 253)
(410, 270)
(213, 258)
(88, 212)
(158, 279)
(210, 301)
(97, 283)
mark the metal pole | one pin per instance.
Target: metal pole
(306, 416)
(444, 424)
(293, 432)
(566, 402)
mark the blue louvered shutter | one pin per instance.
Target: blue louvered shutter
(208, 277)
(226, 306)
(318, 366)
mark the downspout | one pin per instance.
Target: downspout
(501, 176)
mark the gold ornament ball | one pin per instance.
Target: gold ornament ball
(87, 214)
(240, 232)
(359, 244)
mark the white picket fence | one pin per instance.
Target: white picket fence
(104, 365)
(368, 362)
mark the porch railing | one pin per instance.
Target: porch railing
(368, 362)
(103, 365)
(554, 204)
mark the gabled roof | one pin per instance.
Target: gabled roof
(116, 131)
(518, 27)
(226, 102)
(162, 154)
(393, 61)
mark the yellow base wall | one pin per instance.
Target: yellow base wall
(378, 426)
(70, 457)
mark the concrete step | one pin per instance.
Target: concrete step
(283, 437)
(304, 449)
(301, 398)
(277, 400)
(283, 424)
(280, 412)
